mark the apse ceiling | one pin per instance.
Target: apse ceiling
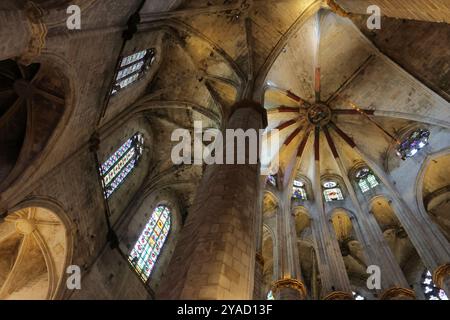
(312, 68)
(330, 87)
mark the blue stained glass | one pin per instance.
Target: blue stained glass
(147, 249)
(117, 155)
(413, 143)
(118, 166)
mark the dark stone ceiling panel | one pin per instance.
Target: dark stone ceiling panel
(421, 48)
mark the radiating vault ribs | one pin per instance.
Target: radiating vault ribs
(25, 226)
(319, 114)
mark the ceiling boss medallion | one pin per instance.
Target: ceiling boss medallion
(319, 114)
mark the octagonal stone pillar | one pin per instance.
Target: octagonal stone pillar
(215, 254)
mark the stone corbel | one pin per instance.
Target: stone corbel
(38, 32)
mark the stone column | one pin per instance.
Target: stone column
(258, 293)
(430, 243)
(376, 249)
(333, 274)
(289, 285)
(215, 254)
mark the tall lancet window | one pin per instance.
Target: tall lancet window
(146, 251)
(131, 68)
(429, 288)
(121, 163)
(366, 179)
(332, 191)
(299, 191)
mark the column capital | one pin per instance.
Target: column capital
(243, 104)
(440, 274)
(291, 284)
(398, 293)
(338, 295)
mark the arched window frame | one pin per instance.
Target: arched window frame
(148, 247)
(299, 190)
(413, 143)
(121, 163)
(332, 190)
(366, 179)
(430, 290)
(132, 68)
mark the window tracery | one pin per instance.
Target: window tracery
(299, 191)
(366, 179)
(132, 68)
(416, 141)
(118, 166)
(147, 249)
(332, 191)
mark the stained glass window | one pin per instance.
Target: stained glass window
(366, 179)
(357, 296)
(132, 67)
(299, 191)
(121, 163)
(415, 142)
(429, 288)
(272, 180)
(332, 191)
(150, 243)
(270, 295)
